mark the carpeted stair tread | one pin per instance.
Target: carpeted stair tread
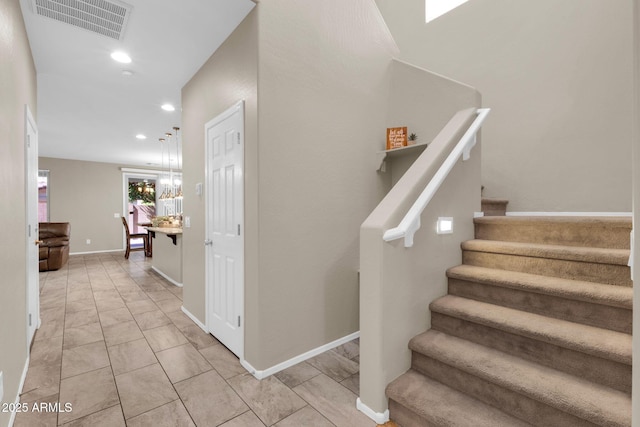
(439, 405)
(559, 252)
(599, 293)
(603, 232)
(594, 341)
(589, 401)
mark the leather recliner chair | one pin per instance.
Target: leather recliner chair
(54, 245)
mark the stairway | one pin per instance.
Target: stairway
(535, 330)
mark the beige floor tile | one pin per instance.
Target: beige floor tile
(297, 374)
(46, 351)
(80, 305)
(80, 318)
(164, 337)
(144, 389)
(131, 355)
(54, 302)
(88, 393)
(82, 335)
(41, 381)
(170, 304)
(334, 365)
(110, 417)
(160, 295)
(79, 295)
(199, 338)
(172, 414)
(133, 295)
(52, 327)
(176, 290)
(102, 285)
(121, 332)
(271, 400)
(349, 350)
(143, 306)
(180, 319)
(108, 294)
(223, 361)
(37, 418)
(333, 401)
(182, 362)
(85, 358)
(248, 419)
(110, 304)
(306, 416)
(111, 317)
(352, 383)
(209, 399)
(151, 319)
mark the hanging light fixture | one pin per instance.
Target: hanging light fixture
(178, 181)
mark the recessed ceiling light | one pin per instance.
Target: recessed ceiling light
(141, 136)
(121, 57)
(168, 107)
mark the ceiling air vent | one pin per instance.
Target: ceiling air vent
(107, 18)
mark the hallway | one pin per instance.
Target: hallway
(115, 345)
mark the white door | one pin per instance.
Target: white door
(31, 168)
(224, 228)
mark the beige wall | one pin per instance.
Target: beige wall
(227, 77)
(315, 76)
(18, 87)
(324, 81)
(87, 195)
(557, 75)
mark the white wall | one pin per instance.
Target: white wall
(557, 75)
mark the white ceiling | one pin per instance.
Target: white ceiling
(88, 110)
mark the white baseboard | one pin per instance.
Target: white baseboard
(379, 418)
(195, 319)
(96, 252)
(297, 359)
(20, 386)
(629, 214)
(166, 276)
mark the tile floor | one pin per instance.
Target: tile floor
(115, 344)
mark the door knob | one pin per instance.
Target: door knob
(208, 242)
(37, 242)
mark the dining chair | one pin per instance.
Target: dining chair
(143, 236)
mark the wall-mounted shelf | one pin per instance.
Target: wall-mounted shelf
(397, 152)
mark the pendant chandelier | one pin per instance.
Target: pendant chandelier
(170, 181)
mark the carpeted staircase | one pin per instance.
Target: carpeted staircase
(535, 330)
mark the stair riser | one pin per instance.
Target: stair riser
(599, 315)
(510, 402)
(587, 271)
(561, 233)
(407, 418)
(607, 372)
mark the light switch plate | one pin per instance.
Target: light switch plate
(187, 222)
(116, 215)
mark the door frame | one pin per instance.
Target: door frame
(237, 107)
(32, 271)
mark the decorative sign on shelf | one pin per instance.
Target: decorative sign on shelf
(396, 137)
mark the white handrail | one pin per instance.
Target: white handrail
(411, 221)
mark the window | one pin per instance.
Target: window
(43, 196)
(437, 8)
